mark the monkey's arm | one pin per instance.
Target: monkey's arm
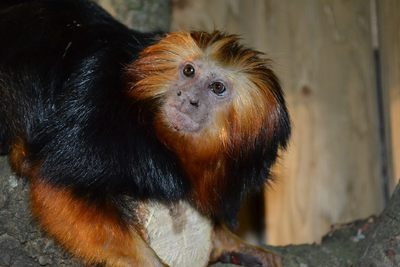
(229, 248)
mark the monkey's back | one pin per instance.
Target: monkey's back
(63, 92)
(47, 48)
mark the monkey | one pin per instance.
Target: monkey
(138, 147)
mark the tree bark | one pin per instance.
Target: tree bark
(374, 241)
(21, 241)
(142, 15)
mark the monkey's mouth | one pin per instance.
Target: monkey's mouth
(179, 121)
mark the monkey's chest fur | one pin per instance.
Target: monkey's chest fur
(178, 233)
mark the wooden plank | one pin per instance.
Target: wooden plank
(332, 171)
(323, 54)
(389, 43)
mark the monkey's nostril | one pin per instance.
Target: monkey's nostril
(194, 102)
(179, 93)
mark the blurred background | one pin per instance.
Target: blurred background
(339, 63)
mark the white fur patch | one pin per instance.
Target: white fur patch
(178, 234)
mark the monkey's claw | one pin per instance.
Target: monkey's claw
(257, 258)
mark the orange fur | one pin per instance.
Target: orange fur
(251, 113)
(254, 104)
(18, 156)
(92, 232)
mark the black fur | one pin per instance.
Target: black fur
(4, 147)
(63, 91)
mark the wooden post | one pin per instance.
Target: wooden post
(389, 43)
(323, 54)
(332, 172)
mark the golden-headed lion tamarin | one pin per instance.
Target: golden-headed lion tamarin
(138, 149)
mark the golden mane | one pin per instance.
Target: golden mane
(253, 117)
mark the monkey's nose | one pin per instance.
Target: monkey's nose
(194, 102)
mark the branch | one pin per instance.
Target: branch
(374, 241)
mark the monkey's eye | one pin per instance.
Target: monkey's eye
(217, 88)
(188, 70)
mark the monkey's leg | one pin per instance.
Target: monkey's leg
(229, 248)
(92, 232)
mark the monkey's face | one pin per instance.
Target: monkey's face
(199, 92)
(214, 95)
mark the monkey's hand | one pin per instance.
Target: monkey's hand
(228, 248)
